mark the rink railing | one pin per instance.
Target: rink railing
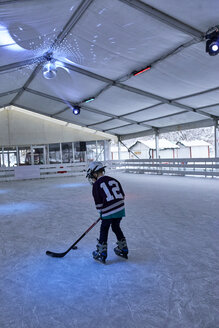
(207, 167)
(42, 171)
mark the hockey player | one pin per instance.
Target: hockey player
(109, 200)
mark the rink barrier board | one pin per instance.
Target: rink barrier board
(45, 171)
(207, 167)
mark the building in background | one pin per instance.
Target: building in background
(193, 149)
(147, 149)
(124, 153)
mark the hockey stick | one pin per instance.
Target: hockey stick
(53, 254)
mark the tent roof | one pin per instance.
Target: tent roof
(96, 46)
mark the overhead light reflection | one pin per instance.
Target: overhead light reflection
(7, 41)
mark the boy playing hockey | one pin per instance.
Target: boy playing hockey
(109, 200)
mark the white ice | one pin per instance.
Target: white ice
(169, 281)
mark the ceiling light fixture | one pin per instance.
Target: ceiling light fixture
(89, 100)
(76, 110)
(212, 43)
(135, 73)
(49, 70)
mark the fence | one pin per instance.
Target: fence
(208, 167)
(42, 171)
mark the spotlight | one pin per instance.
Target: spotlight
(212, 43)
(76, 110)
(49, 70)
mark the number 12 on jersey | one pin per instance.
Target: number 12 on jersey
(113, 192)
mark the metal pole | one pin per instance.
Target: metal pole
(18, 157)
(129, 150)
(73, 152)
(8, 153)
(157, 144)
(96, 150)
(119, 149)
(3, 157)
(106, 150)
(31, 155)
(216, 139)
(61, 152)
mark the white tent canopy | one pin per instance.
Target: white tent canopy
(21, 127)
(96, 46)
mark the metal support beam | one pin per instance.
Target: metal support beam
(134, 135)
(87, 73)
(9, 92)
(119, 151)
(143, 123)
(31, 77)
(71, 23)
(122, 118)
(164, 18)
(157, 143)
(162, 99)
(129, 150)
(6, 2)
(23, 63)
(176, 127)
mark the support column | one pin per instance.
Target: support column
(31, 154)
(216, 139)
(3, 157)
(47, 154)
(96, 150)
(119, 150)
(18, 156)
(106, 150)
(157, 144)
(9, 164)
(73, 152)
(61, 151)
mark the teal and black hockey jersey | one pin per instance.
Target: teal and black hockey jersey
(109, 197)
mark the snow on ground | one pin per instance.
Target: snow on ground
(169, 280)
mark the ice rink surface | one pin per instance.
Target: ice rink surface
(169, 281)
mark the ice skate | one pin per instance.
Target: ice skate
(101, 253)
(122, 248)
